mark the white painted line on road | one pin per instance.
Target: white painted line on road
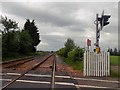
(38, 75)
(29, 81)
(40, 82)
(63, 83)
(89, 86)
(59, 83)
(35, 75)
(62, 76)
(5, 79)
(97, 80)
(13, 74)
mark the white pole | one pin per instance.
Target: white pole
(98, 64)
(85, 63)
(108, 63)
(104, 64)
(89, 63)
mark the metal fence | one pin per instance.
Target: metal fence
(96, 64)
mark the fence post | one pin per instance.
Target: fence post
(94, 64)
(100, 64)
(103, 64)
(109, 63)
(89, 63)
(106, 63)
(85, 63)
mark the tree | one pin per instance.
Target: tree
(33, 31)
(69, 45)
(25, 42)
(61, 52)
(8, 24)
(110, 50)
(119, 52)
(115, 51)
(10, 37)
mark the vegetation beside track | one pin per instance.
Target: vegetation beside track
(23, 56)
(72, 54)
(18, 42)
(77, 65)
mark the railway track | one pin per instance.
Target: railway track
(35, 66)
(16, 63)
(50, 73)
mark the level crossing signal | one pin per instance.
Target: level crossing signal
(103, 21)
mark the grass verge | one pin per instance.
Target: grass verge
(78, 65)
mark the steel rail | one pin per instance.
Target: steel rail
(19, 63)
(53, 73)
(36, 65)
(15, 60)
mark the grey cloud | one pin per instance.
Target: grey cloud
(60, 16)
(43, 16)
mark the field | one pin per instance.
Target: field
(115, 63)
(114, 60)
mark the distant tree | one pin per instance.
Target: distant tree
(119, 52)
(115, 51)
(33, 31)
(69, 45)
(111, 51)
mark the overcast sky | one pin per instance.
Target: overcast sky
(58, 21)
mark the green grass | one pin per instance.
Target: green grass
(114, 60)
(78, 65)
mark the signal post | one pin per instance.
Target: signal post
(100, 23)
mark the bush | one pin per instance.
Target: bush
(61, 52)
(76, 54)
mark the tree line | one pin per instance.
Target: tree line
(16, 41)
(114, 51)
